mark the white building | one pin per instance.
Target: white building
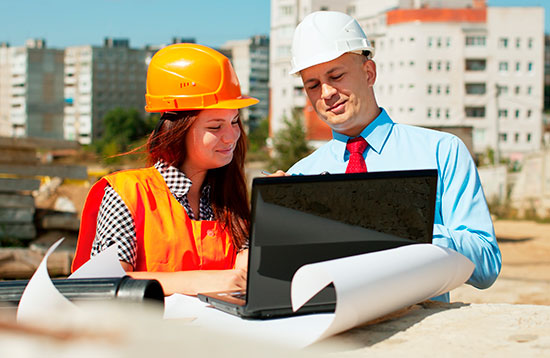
(31, 90)
(250, 59)
(465, 65)
(97, 80)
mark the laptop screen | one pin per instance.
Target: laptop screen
(298, 220)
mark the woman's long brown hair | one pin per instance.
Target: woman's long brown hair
(228, 194)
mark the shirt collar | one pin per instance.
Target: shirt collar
(177, 182)
(376, 134)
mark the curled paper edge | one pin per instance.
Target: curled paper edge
(40, 296)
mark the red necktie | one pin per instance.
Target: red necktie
(356, 147)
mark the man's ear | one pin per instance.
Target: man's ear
(369, 67)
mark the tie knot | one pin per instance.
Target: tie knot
(356, 145)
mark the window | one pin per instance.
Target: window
(447, 89)
(429, 113)
(529, 89)
(475, 40)
(503, 137)
(475, 112)
(502, 89)
(438, 89)
(430, 65)
(448, 42)
(528, 137)
(448, 66)
(503, 42)
(503, 66)
(518, 42)
(285, 10)
(439, 42)
(517, 113)
(476, 65)
(516, 137)
(518, 66)
(502, 113)
(429, 89)
(475, 88)
(430, 41)
(530, 67)
(530, 42)
(438, 113)
(516, 90)
(439, 65)
(447, 113)
(529, 112)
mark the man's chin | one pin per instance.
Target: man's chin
(337, 122)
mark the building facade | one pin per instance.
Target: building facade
(97, 80)
(464, 65)
(250, 59)
(31, 90)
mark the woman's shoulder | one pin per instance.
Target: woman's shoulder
(133, 176)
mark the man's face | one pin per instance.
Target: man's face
(341, 92)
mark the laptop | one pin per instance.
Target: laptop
(302, 219)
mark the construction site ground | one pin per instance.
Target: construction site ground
(525, 275)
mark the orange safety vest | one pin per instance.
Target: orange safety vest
(167, 239)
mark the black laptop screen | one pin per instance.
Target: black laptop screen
(304, 219)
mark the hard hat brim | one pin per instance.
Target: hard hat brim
(236, 103)
(239, 103)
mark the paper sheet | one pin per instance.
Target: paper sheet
(41, 297)
(372, 285)
(367, 287)
(294, 332)
(104, 264)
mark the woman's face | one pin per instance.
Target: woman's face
(211, 139)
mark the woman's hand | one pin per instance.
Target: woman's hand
(193, 282)
(241, 262)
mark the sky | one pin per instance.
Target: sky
(211, 22)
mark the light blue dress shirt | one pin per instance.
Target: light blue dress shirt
(462, 221)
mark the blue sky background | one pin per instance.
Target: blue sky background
(211, 22)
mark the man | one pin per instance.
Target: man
(334, 58)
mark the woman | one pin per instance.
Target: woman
(184, 220)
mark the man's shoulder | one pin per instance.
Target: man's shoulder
(424, 134)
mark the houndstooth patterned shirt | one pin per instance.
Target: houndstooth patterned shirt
(115, 223)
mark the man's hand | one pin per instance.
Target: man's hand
(279, 173)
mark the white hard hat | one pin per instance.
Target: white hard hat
(323, 36)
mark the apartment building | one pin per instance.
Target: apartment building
(250, 59)
(31, 90)
(97, 80)
(462, 65)
(547, 72)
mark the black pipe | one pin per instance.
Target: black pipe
(90, 289)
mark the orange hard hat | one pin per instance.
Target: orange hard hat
(189, 76)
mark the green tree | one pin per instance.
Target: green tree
(290, 144)
(123, 128)
(257, 142)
